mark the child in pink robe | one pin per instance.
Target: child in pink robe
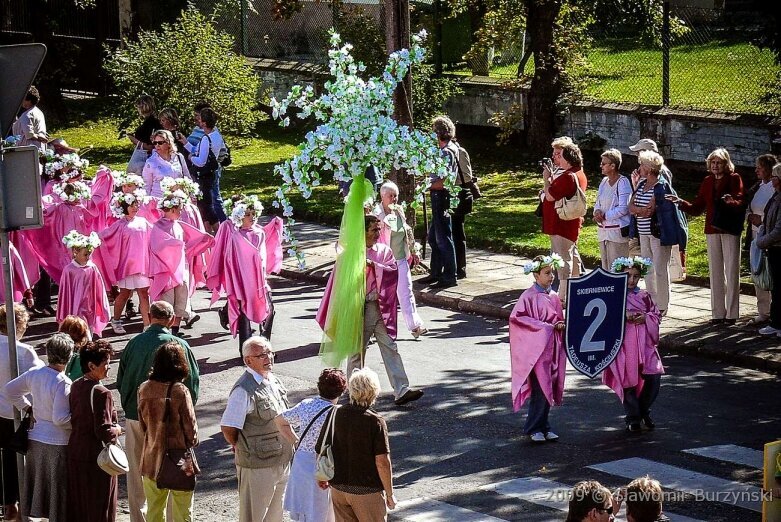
(123, 256)
(635, 374)
(239, 267)
(82, 289)
(537, 355)
(172, 249)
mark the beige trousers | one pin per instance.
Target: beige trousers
(724, 271)
(261, 491)
(657, 281)
(568, 252)
(134, 446)
(763, 303)
(609, 251)
(358, 508)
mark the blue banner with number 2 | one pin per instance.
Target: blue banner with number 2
(596, 314)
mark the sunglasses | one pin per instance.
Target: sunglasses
(156, 143)
(608, 510)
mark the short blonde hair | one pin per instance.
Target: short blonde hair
(389, 186)
(722, 154)
(168, 137)
(651, 159)
(561, 142)
(364, 387)
(613, 156)
(21, 318)
(145, 105)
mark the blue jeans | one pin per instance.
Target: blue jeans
(539, 408)
(440, 237)
(217, 203)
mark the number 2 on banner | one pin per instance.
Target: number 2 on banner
(587, 345)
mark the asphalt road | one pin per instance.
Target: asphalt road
(459, 454)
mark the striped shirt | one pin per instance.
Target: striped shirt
(642, 199)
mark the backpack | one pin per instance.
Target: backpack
(224, 158)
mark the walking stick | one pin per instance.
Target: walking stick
(425, 226)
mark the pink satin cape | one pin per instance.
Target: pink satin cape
(170, 244)
(638, 355)
(27, 255)
(238, 269)
(536, 346)
(387, 276)
(124, 250)
(83, 293)
(19, 281)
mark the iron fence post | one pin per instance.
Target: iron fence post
(437, 38)
(244, 36)
(666, 53)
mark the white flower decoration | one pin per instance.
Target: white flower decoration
(79, 191)
(554, 260)
(128, 198)
(185, 185)
(123, 178)
(75, 240)
(640, 263)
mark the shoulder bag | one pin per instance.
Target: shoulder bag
(137, 160)
(760, 267)
(308, 426)
(324, 470)
(178, 469)
(112, 458)
(573, 207)
(210, 167)
(19, 441)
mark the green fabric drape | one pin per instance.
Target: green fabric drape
(343, 332)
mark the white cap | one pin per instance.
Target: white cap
(644, 144)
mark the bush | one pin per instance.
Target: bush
(182, 64)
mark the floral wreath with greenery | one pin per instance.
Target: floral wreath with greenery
(238, 209)
(356, 130)
(186, 185)
(643, 264)
(81, 191)
(174, 199)
(554, 260)
(128, 198)
(122, 178)
(75, 240)
(64, 164)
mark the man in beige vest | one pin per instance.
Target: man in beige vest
(262, 453)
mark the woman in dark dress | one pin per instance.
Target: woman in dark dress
(145, 105)
(92, 493)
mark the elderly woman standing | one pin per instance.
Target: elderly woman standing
(165, 162)
(759, 195)
(721, 199)
(92, 493)
(769, 239)
(362, 486)
(659, 225)
(611, 211)
(167, 416)
(398, 236)
(45, 490)
(304, 501)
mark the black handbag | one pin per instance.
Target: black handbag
(178, 468)
(728, 219)
(208, 170)
(19, 441)
(465, 203)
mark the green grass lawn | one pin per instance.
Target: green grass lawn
(713, 76)
(503, 219)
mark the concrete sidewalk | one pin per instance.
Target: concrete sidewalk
(496, 281)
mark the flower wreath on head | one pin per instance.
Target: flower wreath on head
(81, 191)
(64, 164)
(123, 178)
(554, 260)
(75, 240)
(186, 185)
(177, 198)
(640, 263)
(238, 209)
(128, 198)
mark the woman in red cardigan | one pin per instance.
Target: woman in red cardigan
(721, 199)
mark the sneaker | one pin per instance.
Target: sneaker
(551, 436)
(537, 437)
(769, 330)
(420, 330)
(116, 325)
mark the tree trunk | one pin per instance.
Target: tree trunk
(397, 36)
(546, 84)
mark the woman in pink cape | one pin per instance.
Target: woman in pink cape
(123, 256)
(172, 249)
(537, 355)
(82, 289)
(240, 263)
(635, 374)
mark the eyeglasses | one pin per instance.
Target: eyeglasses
(156, 143)
(264, 355)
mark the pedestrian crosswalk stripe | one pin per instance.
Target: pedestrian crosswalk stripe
(730, 453)
(429, 510)
(703, 487)
(548, 493)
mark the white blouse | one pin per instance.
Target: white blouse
(50, 390)
(156, 168)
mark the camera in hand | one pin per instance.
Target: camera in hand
(547, 163)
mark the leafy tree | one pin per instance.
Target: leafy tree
(184, 63)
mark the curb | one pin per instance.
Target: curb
(483, 308)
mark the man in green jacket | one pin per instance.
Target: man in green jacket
(134, 367)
